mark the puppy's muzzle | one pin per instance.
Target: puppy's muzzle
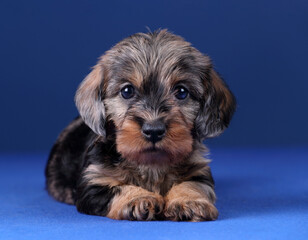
(153, 131)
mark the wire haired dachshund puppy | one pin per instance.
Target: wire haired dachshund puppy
(136, 150)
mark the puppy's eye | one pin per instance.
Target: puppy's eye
(128, 91)
(181, 93)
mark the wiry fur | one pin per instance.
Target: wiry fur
(102, 162)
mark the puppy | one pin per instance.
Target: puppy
(136, 152)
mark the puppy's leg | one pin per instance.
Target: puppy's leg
(136, 203)
(126, 202)
(58, 184)
(106, 196)
(190, 201)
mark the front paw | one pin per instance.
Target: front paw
(144, 208)
(191, 210)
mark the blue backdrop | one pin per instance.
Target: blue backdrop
(259, 47)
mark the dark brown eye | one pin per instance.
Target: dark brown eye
(128, 92)
(181, 93)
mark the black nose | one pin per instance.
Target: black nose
(154, 131)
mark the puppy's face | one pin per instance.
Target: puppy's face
(161, 94)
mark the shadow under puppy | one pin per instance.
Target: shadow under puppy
(136, 152)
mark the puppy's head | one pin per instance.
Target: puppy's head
(161, 94)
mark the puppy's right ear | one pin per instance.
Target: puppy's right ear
(89, 100)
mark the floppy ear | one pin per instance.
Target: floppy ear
(217, 107)
(89, 101)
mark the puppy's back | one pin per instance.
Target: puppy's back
(65, 161)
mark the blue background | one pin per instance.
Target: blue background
(259, 47)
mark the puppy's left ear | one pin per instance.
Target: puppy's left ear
(89, 100)
(218, 107)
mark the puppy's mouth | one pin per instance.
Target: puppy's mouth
(152, 149)
(153, 155)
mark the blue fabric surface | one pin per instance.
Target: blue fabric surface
(262, 194)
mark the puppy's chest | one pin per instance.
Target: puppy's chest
(155, 180)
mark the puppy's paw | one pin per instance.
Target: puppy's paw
(193, 210)
(144, 208)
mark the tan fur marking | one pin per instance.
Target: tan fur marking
(95, 175)
(129, 139)
(136, 79)
(190, 201)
